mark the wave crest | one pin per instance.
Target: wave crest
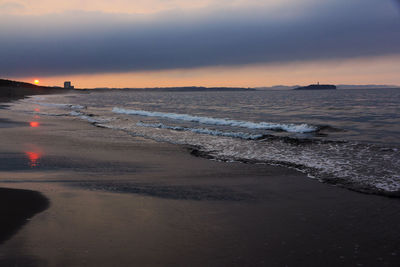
(291, 128)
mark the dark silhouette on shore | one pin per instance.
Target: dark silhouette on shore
(16, 90)
(317, 87)
(18, 206)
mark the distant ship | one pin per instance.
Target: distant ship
(317, 87)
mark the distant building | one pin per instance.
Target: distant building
(67, 85)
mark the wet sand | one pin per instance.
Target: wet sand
(17, 206)
(118, 200)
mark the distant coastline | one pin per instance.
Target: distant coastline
(178, 89)
(11, 90)
(17, 89)
(339, 87)
(317, 87)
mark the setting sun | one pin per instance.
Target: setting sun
(36, 81)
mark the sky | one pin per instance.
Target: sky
(246, 43)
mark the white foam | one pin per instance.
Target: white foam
(240, 135)
(85, 117)
(291, 128)
(63, 106)
(350, 164)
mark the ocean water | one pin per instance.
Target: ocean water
(350, 138)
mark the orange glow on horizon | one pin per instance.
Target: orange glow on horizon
(365, 70)
(373, 70)
(34, 124)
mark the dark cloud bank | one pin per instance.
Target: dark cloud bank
(79, 42)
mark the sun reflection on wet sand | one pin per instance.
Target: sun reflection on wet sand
(33, 157)
(34, 124)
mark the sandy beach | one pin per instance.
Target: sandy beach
(119, 200)
(200, 133)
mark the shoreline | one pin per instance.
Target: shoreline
(122, 200)
(193, 150)
(17, 206)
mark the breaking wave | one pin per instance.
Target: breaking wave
(291, 128)
(63, 106)
(240, 135)
(85, 117)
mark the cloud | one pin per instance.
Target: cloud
(398, 2)
(142, 7)
(94, 42)
(11, 7)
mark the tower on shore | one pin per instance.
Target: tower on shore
(67, 85)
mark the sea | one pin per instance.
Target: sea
(348, 138)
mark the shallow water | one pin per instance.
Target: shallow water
(346, 137)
